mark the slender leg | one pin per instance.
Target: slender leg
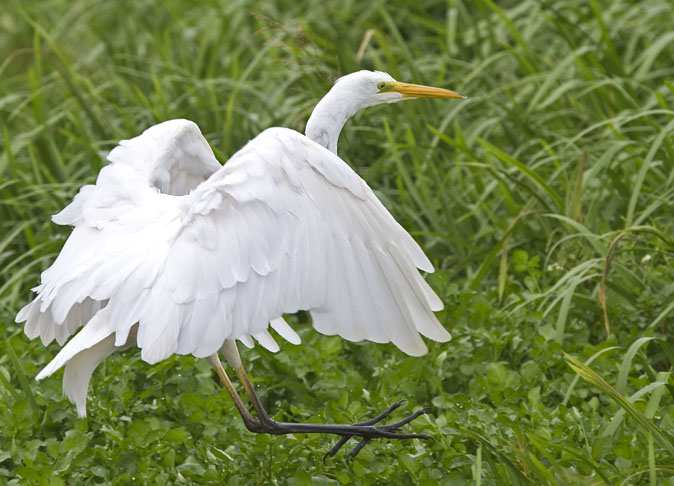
(251, 422)
(264, 424)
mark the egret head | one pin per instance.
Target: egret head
(369, 88)
(355, 91)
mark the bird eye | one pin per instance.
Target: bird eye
(381, 85)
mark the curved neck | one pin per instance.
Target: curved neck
(328, 118)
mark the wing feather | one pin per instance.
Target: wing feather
(404, 334)
(196, 253)
(267, 341)
(285, 331)
(247, 341)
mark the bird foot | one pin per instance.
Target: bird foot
(367, 431)
(263, 424)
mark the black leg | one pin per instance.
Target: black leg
(366, 430)
(363, 442)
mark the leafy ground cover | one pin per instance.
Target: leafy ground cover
(544, 200)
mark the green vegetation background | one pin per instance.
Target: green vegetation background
(546, 194)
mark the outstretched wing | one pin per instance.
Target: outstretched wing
(284, 225)
(173, 157)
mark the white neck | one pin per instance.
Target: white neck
(328, 118)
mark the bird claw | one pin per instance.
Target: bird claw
(384, 431)
(354, 452)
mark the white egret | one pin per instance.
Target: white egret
(174, 253)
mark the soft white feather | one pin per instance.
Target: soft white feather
(96, 330)
(81, 366)
(248, 236)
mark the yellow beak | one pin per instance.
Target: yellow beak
(420, 91)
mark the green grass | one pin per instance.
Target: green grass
(545, 201)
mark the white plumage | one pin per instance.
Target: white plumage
(175, 253)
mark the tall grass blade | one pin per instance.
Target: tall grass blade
(21, 375)
(590, 376)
